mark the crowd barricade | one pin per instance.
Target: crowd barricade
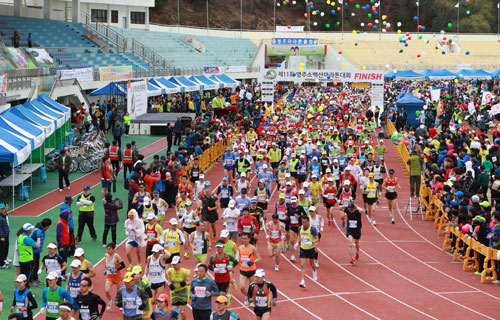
(209, 157)
(454, 239)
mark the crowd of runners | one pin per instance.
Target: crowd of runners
(318, 149)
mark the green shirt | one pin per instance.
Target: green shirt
(126, 120)
(54, 300)
(483, 179)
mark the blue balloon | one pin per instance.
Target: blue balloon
(404, 41)
(294, 74)
(423, 28)
(390, 117)
(328, 77)
(406, 44)
(346, 4)
(312, 6)
(333, 11)
(467, 52)
(374, 27)
(375, 13)
(393, 109)
(474, 81)
(415, 18)
(456, 125)
(446, 88)
(279, 65)
(443, 52)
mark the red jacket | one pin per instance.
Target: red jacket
(248, 225)
(105, 174)
(149, 180)
(62, 232)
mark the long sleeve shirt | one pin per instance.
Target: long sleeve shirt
(198, 293)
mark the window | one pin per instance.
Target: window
(137, 17)
(114, 16)
(99, 15)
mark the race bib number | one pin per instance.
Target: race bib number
(281, 215)
(262, 197)
(391, 188)
(170, 243)
(220, 268)
(129, 303)
(200, 292)
(275, 234)
(353, 224)
(229, 162)
(294, 220)
(371, 192)
(85, 313)
(330, 196)
(245, 261)
(306, 241)
(261, 302)
(52, 307)
(247, 229)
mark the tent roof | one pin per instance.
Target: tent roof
(475, 74)
(55, 105)
(439, 74)
(225, 80)
(390, 75)
(20, 128)
(409, 99)
(205, 82)
(407, 74)
(188, 85)
(25, 113)
(45, 112)
(13, 149)
(111, 88)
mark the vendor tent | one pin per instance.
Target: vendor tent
(407, 74)
(57, 106)
(496, 74)
(111, 88)
(47, 125)
(166, 85)
(439, 74)
(474, 74)
(206, 84)
(154, 91)
(411, 105)
(56, 116)
(390, 75)
(22, 128)
(185, 84)
(225, 80)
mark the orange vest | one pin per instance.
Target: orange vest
(113, 153)
(127, 156)
(247, 255)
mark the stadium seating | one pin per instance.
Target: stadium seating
(219, 51)
(377, 54)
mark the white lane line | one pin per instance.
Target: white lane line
(457, 292)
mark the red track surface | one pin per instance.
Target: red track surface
(402, 272)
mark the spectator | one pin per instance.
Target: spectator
(118, 132)
(63, 164)
(30, 40)
(4, 236)
(25, 245)
(39, 233)
(86, 203)
(111, 217)
(178, 130)
(169, 133)
(62, 234)
(126, 122)
(15, 39)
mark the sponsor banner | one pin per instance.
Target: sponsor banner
(377, 96)
(295, 41)
(487, 97)
(495, 109)
(42, 57)
(211, 70)
(115, 73)
(137, 98)
(294, 75)
(236, 69)
(3, 83)
(435, 94)
(289, 28)
(267, 91)
(82, 74)
(463, 66)
(286, 51)
(20, 58)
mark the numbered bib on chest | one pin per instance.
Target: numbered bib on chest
(281, 215)
(200, 292)
(294, 220)
(261, 302)
(353, 224)
(52, 307)
(220, 268)
(247, 229)
(391, 188)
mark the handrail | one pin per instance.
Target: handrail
(152, 58)
(103, 32)
(66, 83)
(257, 51)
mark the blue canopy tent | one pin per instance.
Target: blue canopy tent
(411, 105)
(439, 74)
(47, 125)
(390, 75)
(474, 74)
(154, 91)
(166, 85)
(56, 116)
(185, 84)
(407, 74)
(225, 80)
(57, 106)
(206, 84)
(111, 88)
(20, 127)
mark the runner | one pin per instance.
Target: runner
(180, 283)
(155, 270)
(142, 283)
(345, 196)
(200, 242)
(248, 224)
(221, 312)
(317, 222)
(275, 234)
(231, 216)
(172, 239)
(24, 302)
(86, 304)
(308, 240)
(162, 206)
(162, 312)
(247, 257)
(153, 233)
(53, 263)
(87, 267)
(222, 265)
(263, 295)
(329, 200)
(262, 194)
(281, 209)
(114, 277)
(131, 298)
(134, 229)
(353, 230)
(294, 212)
(225, 192)
(74, 279)
(390, 184)
(372, 192)
(53, 296)
(209, 214)
(228, 161)
(202, 290)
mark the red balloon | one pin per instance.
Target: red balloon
(407, 143)
(418, 55)
(340, 52)
(370, 24)
(407, 34)
(465, 228)
(444, 38)
(387, 27)
(419, 27)
(289, 27)
(305, 15)
(374, 8)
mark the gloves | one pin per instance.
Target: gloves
(267, 237)
(171, 286)
(230, 267)
(250, 263)
(296, 246)
(39, 272)
(208, 294)
(43, 310)
(274, 303)
(183, 283)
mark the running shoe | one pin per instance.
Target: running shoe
(366, 212)
(235, 286)
(393, 221)
(109, 306)
(316, 263)
(343, 224)
(39, 282)
(496, 282)
(292, 258)
(302, 284)
(246, 303)
(104, 246)
(478, 273)
(370, 219)
(357, 255)
(329, 223)
(186, 254)
(276, 268)
(228, 296)
(315, 275)
(287, 247)
(34, 284)
(352, 261)
(374, 223)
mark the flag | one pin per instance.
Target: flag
(457, 5)
(487, 97)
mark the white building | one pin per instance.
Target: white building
(117, 13)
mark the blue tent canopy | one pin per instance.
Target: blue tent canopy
(439, 74)
(225, 80)
(186, 84)
(163, 83)
(17, 126)
(206, 83)
(111, 88)
(474, 74)
(390, 75)
(37, 107)
(411, 105)
(13, 149)
(154, 91)
(407, 74)
(496, 74)
(55, 106)
(24, 113)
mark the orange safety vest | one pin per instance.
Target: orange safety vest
(127, 156)
(113, 153)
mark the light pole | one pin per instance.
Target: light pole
(458, 18)
(207, 16)
(418, 16)
(274, 1)
(241, 14)
(308, 17)
(342, 23)
(498, 19)
(178, 12)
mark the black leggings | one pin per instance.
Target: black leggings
(105, 234)
(26, 268)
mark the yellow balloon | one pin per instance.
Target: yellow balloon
(399, 31)
(300, 69)
(456, 80)
(301, 64)
(326, 36)
(311, 109)
(275, 118)
(384, 17)
(309, 116)
(343, 64)
(354, 31)
(320, 109)
(328, 2)
(363, 67)
(326, 97)
(333, 3)
(314, 13)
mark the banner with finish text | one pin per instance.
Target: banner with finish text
(115, 73)
(137, 98)
(294, 75)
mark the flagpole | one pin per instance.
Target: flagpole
(418, 16)
(458, 19)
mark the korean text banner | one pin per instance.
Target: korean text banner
(115, 73)
(137, 98)
(295, 41)
(211, 70)
(20, 58)
(81, 74)
(289, 28)
(42, 57)
(286, 51)
(294, 75)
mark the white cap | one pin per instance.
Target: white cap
(260, 273)
(224, 233)
(76, 263)
(173, 221)
(146, 201)
(264, 166)
(202, 176)
(328, 170)
(151, 216)
(314, 176)
(347, 183)
(79, 252)
(232, 203)
(243, 174)
(330, 179)
(52, 276)
(315, 158)
(157, 248)
(52, 246)
(306, 184)
(294, 199)
(287, 175)
(288, 183)
(21, 278)
(176, 260)
(27, 226)
(312, 208)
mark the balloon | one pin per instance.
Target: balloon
(363, 67)
(425, 107)
(315, 23)
(399, 24)
(468, 12)
(467, 53)
(447, 96)
(327, 25)
(390, 117)
(340, 52)
(443, 52)
(357, 6)
(399, 135)
(400, 50)
(305, 15)
(333, 11)
(301, 64)
(407, 143)
(417, 113)
(309, 116)
(300, 69)
(275, 118)
(415, 18)
(335, 83)
(355, 44)
(456, 80)
(343, 64)
(450, 25)
(465, 228)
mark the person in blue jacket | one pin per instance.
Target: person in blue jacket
(39, 232)
(202, 290)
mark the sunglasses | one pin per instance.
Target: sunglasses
(84, 285)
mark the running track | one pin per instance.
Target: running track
(402, 271)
